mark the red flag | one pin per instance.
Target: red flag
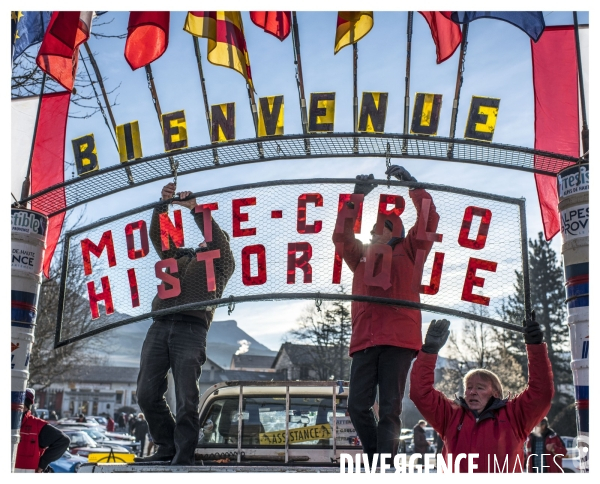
(446, 34)
(147, 37)
(59, 51)
(47, 165)
(274, 23)
(556, 111)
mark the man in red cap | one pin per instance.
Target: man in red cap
(40, 442)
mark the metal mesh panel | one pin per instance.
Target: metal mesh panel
(114, 178)
(274, 216)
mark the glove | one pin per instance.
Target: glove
(400, 173)
(533, 333)
(436, 336)
(364, 188)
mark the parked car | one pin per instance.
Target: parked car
(42, 413)
(67, 463)
(70, 421)
(571, 462)
(406, 436)
(102, 421)
(82, 444)
(102, 439)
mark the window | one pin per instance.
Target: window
(119, 398)
(310, 421)
(133, 398)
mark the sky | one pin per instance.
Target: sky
(498, 65)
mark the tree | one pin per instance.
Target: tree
(327, 330)
(46, 363)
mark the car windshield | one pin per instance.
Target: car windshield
(80, 439)
(310, 422)
(94, 434)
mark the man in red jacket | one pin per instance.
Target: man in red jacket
(40, 443)
(545, 449)
(483, 422)
(384, 338)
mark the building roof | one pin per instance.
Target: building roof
(251, 361)
(102, 374)
(244, 375)
(298, 354)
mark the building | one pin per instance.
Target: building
(296, 361)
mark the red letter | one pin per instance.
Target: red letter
(167, 230)
(345, 212)
(88, 246)
(167, 278)
(105, 296)
(206, 209)
(300, 262)
(208, 257)
(261, 261)
(301, 226)
(392, 215)
(132, 253)
(239, 217)
(133, 287)
(382, 279)
(484, 226)
(436, 273)
(471, 280)
(422, 233)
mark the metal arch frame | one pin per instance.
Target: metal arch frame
(520, 202)
(324, 145)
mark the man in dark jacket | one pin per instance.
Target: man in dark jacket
(178, 341)
(140, 430)
(40, 443)
(483, 422)
(545, 449)
(421, 446)
(384, 338)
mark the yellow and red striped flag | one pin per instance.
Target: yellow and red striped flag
(351, 27)
(226, 41)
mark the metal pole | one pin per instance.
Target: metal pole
(205, 96)
(27, 181)
(240, 415)
(254, 111)
(287, 422)
(585, 133)
(355, 82)
(174, 164)
(459, 81)
(409, 26)
(300, 80)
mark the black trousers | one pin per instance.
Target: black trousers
(385, 367)
(180, 346)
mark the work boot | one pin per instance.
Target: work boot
(160, 455)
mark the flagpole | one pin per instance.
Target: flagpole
(459, 81)
(27, 182)
(409, 26)
(585, 134)
(152, 87)
(300, 80)
(204, 95)
(254, 112)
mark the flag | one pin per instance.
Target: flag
(147, 37)
(22, 125)
(555, 89)
(226, 41)
(59, 52)
(446, 34)
(47, 165)
(532, 23)
(351, 27)
(274, 23)
(28, 29)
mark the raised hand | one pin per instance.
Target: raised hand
(400, 173)
(191, 203)
(436, 336)
(533, 333)
(168, 191)
(364, 188)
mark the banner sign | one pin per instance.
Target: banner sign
(290, 240)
